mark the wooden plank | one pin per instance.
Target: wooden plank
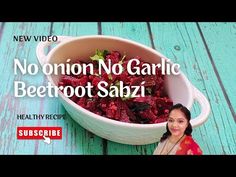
(221, 41)
(182, 43)
(9, 105)
(1, 29)
(139, 33)
(77, 140)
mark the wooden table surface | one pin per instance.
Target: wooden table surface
(205, 51)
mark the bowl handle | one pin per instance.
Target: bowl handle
(205, 108)
(42, 45)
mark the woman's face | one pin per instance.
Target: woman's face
(177, 123)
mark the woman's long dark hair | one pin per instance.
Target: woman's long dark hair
(183, 109)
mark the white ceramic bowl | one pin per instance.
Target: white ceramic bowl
(178, 87)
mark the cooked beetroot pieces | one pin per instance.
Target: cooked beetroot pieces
(152, 108)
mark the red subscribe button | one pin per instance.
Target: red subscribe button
(39, 132)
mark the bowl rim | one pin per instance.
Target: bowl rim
(103, 118)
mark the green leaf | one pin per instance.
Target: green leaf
(149, 90)
(105, 52)
(110, 77)
(141, 107)
(126, 98)
(121, 61)
(99, 55)
(96, 58)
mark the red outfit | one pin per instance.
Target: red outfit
(188, 147)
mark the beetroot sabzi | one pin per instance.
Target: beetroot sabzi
(151, 108)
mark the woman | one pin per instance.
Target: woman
(177, 140)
